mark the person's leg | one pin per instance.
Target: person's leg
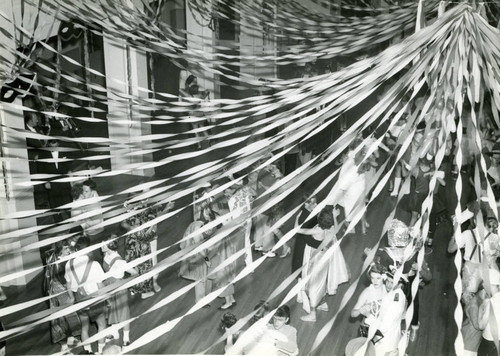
(311, 316)
(101, 325)
(248, 245)
(415, 324)
(487, 348)
(84, 319)
(228, 295)
(154, 259)
(199, 291)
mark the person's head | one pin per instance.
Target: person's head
(31, 119)
(228, 192)
(376, 274)
(492, 225)
(53, 143)
(191, 80)
(281, 317)
(207, 214)
(261, 309)
(310, 202)
(82, 242)
(228, 320)
(325, 219)
(76, 191)
(88, 187)
(112, 245)
(111, 349)
(62, 249)
(389, 281)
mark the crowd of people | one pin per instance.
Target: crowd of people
(397, 273)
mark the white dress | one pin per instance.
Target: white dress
(323, 280)
(350, 187)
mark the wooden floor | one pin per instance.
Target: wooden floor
(199, 331)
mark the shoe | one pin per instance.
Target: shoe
(323, 307)
(429, 242)
(258, 249)
(206, 306)
(299, 298)
(413, 332)
(308, 317)
(147, 295)
(286, 253)
(156, 287)
(269, 254)
(228, 307)
(3, 297)
(126, 343)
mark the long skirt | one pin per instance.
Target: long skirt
(68, 325)
(226, 248)
(118, 308)
(324, 278)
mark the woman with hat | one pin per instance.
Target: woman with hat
(398, 256)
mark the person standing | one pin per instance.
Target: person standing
(195, 268)
(118, 310)
(84, 279)
(52, 161)
(489, 318)
(323, 276)
(91, 224)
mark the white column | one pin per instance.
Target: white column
(13, 196)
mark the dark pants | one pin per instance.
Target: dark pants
(290, 162)
(487, 348)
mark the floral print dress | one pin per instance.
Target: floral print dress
(138, 245)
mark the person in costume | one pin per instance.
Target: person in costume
(324, 278)
(276, 338)
(370, 299)
(116, 267)
(400, 254)
(196, 267)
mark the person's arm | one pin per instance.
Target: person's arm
(484, 314)
(90, 222)
(360, 308)
(290, 345)
(309, 231)
(425, 272)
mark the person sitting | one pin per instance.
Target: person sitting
(489, 317)
(386, 333)
(275, 338)
(370, 299)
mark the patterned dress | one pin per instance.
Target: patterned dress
(138, 245)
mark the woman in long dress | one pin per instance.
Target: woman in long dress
(195, 268)
(351, 187)
(65, 329)
(230, 245)
(139, 244)
(324, 279)
(118, 305)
